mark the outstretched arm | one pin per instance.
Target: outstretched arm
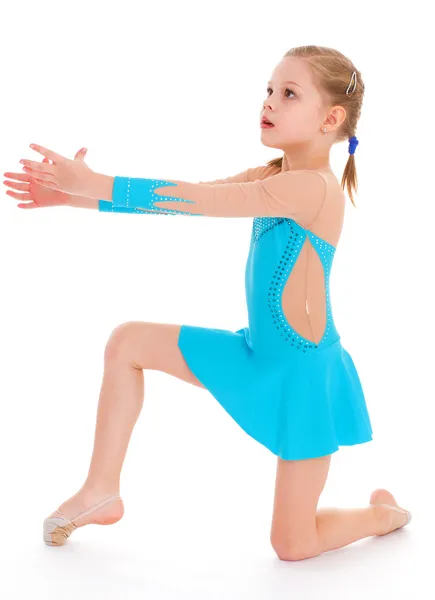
(250, 174)
(297, 194)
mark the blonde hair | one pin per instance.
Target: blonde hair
(332, 72)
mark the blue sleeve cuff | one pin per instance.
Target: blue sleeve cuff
(120, 191)
(105, 206)
(138, 192)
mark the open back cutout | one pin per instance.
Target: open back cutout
(304, 296)
(297, 280)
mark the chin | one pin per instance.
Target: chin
(268, 143)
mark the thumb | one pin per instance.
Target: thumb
(80, 155)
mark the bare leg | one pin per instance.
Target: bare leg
(132, 347)
(120, 403)
(300, 530)
(338, 527)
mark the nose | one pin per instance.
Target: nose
(268, 106)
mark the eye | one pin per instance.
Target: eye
(286, 89)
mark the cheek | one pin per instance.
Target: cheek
(302, 122)
(294, 125)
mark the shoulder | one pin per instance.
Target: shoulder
(261, 172)
(298, 194)
(307, 175)
(301, 182)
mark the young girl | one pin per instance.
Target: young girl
(285, 379)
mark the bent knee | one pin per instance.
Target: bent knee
(120, 340)
(290, 551)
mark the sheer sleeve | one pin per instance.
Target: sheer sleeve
(298, 194)
(250, 174)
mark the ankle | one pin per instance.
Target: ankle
(100, 489)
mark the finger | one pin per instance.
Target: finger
(19, 196)
(48, 184)
(80, 153)
(32, 164)
(28, 205)
(17, 186)
(39, 176)
(19, 176)
(48, 153)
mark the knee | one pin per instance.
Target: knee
(120, 340)
(290, 551)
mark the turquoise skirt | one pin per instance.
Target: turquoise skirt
(298, 406)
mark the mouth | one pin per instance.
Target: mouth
(266, 123)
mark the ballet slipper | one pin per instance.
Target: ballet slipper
(57, 529)
(398, 509)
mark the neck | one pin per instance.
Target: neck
(293, 160)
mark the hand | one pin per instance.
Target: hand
(65, 175)
(40, 195)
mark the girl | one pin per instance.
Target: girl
(285, 379)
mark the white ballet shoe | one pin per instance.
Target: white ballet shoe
(56, 530)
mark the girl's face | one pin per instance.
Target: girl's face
(294, 105)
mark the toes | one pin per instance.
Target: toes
(390, 517)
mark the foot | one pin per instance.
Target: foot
(84, 500)
(390, 519)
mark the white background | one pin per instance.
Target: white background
(174, 90)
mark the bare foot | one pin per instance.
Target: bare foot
(390, 519)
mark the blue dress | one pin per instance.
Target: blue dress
(298, 398)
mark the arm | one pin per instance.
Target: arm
(298, 194)
(250, 174)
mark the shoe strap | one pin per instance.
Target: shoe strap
(91, 509)
(396, 508)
